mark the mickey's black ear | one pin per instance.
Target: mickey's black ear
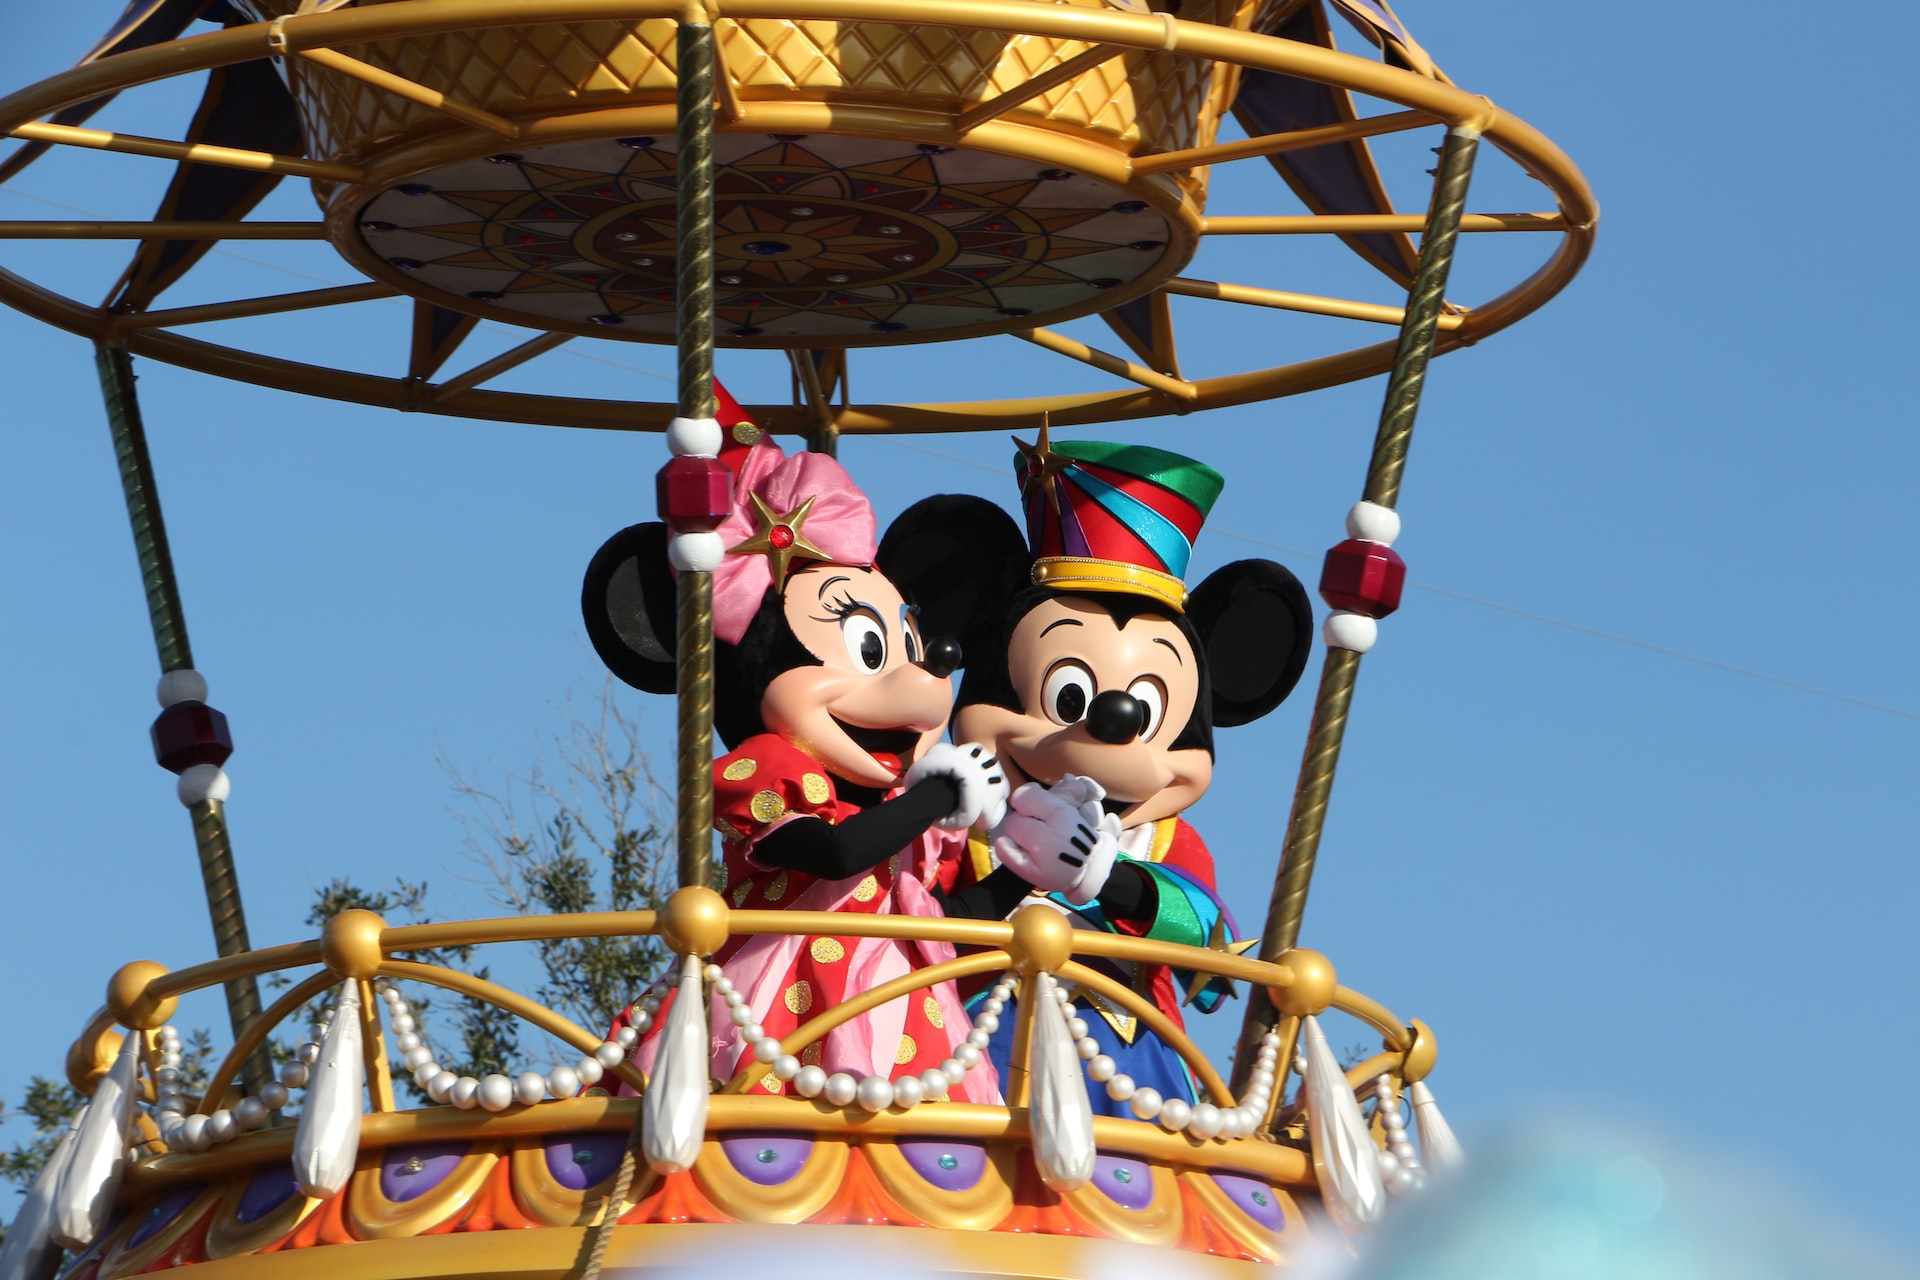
(628, 601)
(1257, 624)
(959, 558)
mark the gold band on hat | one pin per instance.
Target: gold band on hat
(1082, 573)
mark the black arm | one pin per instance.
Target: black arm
(864, 841)
(1129, 893)
(991, 899)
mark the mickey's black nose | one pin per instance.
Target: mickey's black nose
(943, 656)
(1116, 717)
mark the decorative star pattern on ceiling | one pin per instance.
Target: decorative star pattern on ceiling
(835, 239)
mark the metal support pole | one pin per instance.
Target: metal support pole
(694, 644)
(217, 873)
(1342, 666)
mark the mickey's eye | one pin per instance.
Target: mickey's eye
(866, 641)
(909, 633)
(1068, 691)
(1153, 704)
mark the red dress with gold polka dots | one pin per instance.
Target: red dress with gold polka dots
(762, 785)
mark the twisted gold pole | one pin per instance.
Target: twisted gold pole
(221, 882)
(1342, 666)
(695, 267)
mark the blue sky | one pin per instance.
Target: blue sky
(1617, 883)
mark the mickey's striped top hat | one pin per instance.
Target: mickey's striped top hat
(1113, 517)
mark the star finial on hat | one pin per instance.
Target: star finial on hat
(779, 539)
(1043, 464)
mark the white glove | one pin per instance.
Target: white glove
(1059, 839)
(978, 775)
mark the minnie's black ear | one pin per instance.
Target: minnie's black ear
(959, 558)
(1257, 624)
(628, 601)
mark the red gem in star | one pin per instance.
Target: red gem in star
(525, 238)
(780, 536)
(603, 191)
(548, 213)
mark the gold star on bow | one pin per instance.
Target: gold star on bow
(1050, 464)
(1218, 942)
(779, 559)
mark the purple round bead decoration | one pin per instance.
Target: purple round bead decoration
(1126, 1182)
(1254, 1198)
(407, 1172)
(765, 1158)
(947, 1164)
(583, 1160)
(272, 1187)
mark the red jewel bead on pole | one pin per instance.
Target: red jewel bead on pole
(695, 494)
(1363, 577)
(191, 733)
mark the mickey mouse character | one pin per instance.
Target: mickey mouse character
(1099, 691)
(837, 793)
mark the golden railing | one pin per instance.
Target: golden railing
(357, 946)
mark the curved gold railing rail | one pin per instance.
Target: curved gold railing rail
(358, 946)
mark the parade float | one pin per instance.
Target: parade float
(825, 178)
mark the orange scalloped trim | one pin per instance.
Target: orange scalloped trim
(492, 1207)
(1039, 1210)
(1200, 1233)
(861, 1199)
(677, 1199)
(325, 1225)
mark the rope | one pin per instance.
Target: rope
(602, 1234)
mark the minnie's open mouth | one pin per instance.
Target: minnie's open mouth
(892, 748)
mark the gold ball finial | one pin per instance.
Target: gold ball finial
(128, 1001)
(694, 921)
(1420, 1055)
(1306, 984)
(350, 944)
(91, 1056)
(1042, 940)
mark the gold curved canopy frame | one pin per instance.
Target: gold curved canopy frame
(989, 125)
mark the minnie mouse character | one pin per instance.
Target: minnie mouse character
(1099, 693)
(837, 793)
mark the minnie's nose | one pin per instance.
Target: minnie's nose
(1116, 717)
(943, 657)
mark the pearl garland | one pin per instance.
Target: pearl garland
(1399, 1164)
(1202, 1120)
(495, 1092)
(874, 1092)
(195, 1132)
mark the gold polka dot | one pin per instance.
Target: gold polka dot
(800, 998)
(813, 1054)
(866, 889)
(767, 806)
(740, 893)
(827, 950)
(740, 769)
(745, 433)
(727, 830)
(776, 888)
(906, 1053)
(931, 1008)
(770, 1082)
(814, 788)
(893, 866)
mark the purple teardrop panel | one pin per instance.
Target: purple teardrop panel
(409, 1172)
